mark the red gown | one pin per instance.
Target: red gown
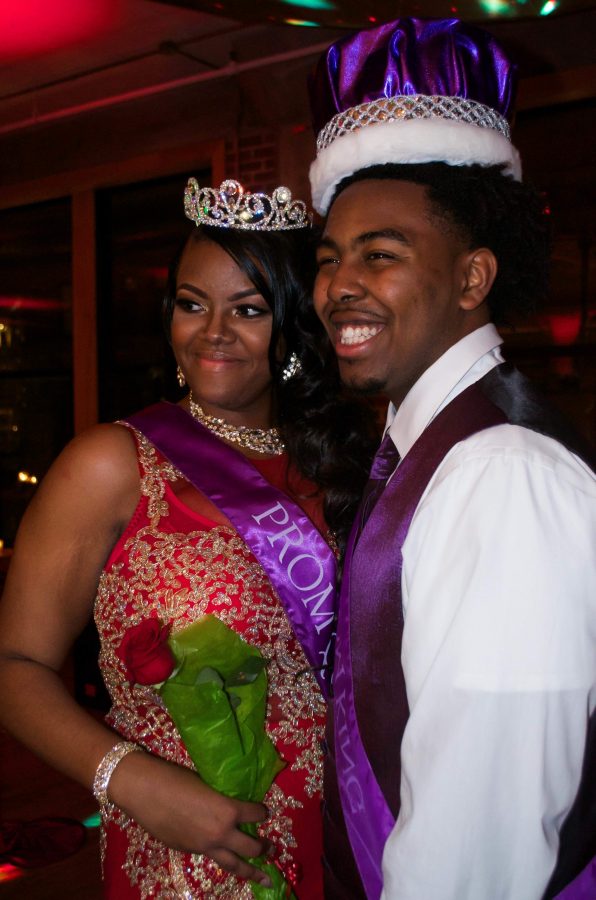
(177, 564)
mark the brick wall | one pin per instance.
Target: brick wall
(253, 159)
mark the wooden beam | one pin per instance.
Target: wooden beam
(556, 88)
(188, 159)
(84, 311)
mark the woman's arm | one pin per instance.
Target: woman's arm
(65, 538)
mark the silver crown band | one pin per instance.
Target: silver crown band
(230, 207)
(415, 106)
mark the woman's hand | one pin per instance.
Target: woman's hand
(175, 806)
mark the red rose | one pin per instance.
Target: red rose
(145, 652)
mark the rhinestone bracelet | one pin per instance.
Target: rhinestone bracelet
(105, 770)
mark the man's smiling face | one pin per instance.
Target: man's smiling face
(396, 285)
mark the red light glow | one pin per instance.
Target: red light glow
(159, 273)
(30, 27)
(31, 303)
(8, 872)
(564, 327)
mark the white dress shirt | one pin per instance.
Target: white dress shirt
(499, 651)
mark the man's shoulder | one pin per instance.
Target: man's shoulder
(495, 451)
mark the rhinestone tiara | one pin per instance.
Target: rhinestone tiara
(411, 106)
(229, 206)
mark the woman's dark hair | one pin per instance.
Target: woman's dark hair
(486, 208)
(330, 436)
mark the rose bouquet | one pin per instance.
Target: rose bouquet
(214, 686)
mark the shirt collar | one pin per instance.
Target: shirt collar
(461, 365)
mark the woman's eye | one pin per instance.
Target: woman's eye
(250, 311)
(187, 305)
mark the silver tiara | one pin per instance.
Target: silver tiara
(230, 207)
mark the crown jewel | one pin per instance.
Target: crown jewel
(229, 206)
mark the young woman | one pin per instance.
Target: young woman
(219, 505)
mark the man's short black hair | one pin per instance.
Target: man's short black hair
(487, 209)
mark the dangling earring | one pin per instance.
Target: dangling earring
(293, 367)
(180, 377)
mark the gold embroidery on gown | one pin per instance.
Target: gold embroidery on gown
(179, 575)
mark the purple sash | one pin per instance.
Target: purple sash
(366, 813)
(297, 559)
(367, 616)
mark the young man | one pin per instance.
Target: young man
(463, 749)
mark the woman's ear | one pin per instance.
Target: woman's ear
(479, 273)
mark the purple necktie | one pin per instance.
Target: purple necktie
(383, 466)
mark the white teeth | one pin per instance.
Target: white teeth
(359, 334)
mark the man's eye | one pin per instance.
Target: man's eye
(327, 261)
(380, 254)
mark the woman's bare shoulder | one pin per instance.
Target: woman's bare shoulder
(99, 466)
(103, 446)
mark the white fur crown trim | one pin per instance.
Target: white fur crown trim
(412, 141)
